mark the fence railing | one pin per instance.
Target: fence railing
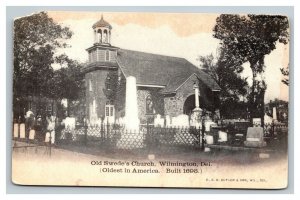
(114, 136)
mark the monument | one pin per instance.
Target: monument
(197, 112)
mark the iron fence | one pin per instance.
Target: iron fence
(116, 136)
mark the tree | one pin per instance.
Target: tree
(67, 82)
(249, 39)
(36, 38)
(227, 75)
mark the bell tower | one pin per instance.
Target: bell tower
(102, 32)
(102, 50)
(100, 69)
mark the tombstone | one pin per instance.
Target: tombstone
(16, 130)
(22, 130)
(131, 106)
(31, 134)
(120, 121)
(168, 121)
(158, 121)
(180, 120)
(255, 137)
(208, 124)
(52, 137)
(222, 136)
(274, 114)
(70, 123)
(256, 122)
(268, 119)
(131, 120)
(47, 138)
(99, 122)
(209, 139)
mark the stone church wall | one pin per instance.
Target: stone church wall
(157, 99)
(174, 103)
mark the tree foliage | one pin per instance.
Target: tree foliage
(249, 38)
(36, 39)
(68, 80)
(227, 75)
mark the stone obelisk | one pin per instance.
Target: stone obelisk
(131, 106)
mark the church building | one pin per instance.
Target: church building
(163, 85)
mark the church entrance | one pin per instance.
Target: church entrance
(189, 105)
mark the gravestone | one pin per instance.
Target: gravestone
(180, 120)
(268, 119)
(22, 130)
(256, 122)
(70, 123)
(222, 136)
(158, 121)
(47, 138)
(168, 121)
(131, 137)
(131, 106)
(209, 139)
(16, 130)
(31, 134)
(208, 124)
(274, 114)
(255, 137)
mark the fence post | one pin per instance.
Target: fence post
(85, 134)
(272, 130)
(107, 129)
(202, 134)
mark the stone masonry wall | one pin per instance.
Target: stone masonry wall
(174, 103)
(157, 99)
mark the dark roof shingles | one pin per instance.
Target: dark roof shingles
(154, 69)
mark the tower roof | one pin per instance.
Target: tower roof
(102, 23)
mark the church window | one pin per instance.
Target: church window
(106, 111)
(90, 86)
(109, 110)
(149, 105)
(107, 55)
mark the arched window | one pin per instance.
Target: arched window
(99, 34)
(149, 105)
(107, 55)
(90, 85)
(105, 36)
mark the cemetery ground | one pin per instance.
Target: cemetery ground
(219, 154)
(72, 165)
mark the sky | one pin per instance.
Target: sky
(186, 35)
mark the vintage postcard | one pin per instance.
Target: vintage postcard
(150, 100)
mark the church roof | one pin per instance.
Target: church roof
(102, 23)
(154, 69)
